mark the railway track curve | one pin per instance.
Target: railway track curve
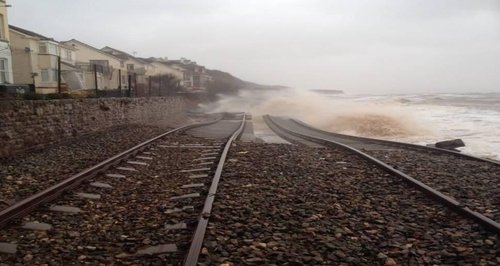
(373, 151)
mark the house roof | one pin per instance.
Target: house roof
(30, 33)
(122, 54)
(189, 66)
(148, 60)
(115, 52)
(173, 65)
(173, 62)
(151, 59)
(92, 48)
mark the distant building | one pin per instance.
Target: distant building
(194, 77)
(35, 61)
(160, 67)
(6, 75)
(162, 78)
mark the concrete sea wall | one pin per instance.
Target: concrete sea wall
(32, 124)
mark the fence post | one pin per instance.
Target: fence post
(159, 86)
(120, 82)
(95, 81)
(149, 90)
(129, 83)
(58, 74)
(135, 84)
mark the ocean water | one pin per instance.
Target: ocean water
(415, 118)
(472, 117)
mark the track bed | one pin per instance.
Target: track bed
(293, 205)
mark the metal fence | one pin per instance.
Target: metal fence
(151, 86)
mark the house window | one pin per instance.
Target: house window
(53, 49)
(69, 56)
(49, 75)
(48, 48)
(55, 77)
(45, 75)
(43, 48)
(3, 70)
(130, 67)
(2, 23)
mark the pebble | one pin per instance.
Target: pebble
(28, 257)
(204, 251)
(390, 262)
(74, 234)
(381, 256)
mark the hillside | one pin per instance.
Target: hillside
(225, 83)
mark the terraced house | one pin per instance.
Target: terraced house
(136, 67)
(41, 61)
(101, 70)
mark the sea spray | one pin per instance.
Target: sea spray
(328, 113)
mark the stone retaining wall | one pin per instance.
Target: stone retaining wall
(33, 124)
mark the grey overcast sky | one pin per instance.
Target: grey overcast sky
(359, 46)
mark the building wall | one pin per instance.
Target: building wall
(5, 22)
(46, 62)
(33, 124)
(24, 51)
(5, 50)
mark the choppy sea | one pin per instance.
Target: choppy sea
(472, 117)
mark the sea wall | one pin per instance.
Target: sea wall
(33, 124)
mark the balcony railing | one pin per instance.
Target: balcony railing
(98, 68)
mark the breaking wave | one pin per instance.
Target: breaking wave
(418, 118)
(333, 114)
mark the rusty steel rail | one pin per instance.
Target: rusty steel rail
(436, 195)
(201, 228)
(26, 205)
(396, 143)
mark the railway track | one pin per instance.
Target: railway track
(466, 184)
(328, 206)
(138, 207)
